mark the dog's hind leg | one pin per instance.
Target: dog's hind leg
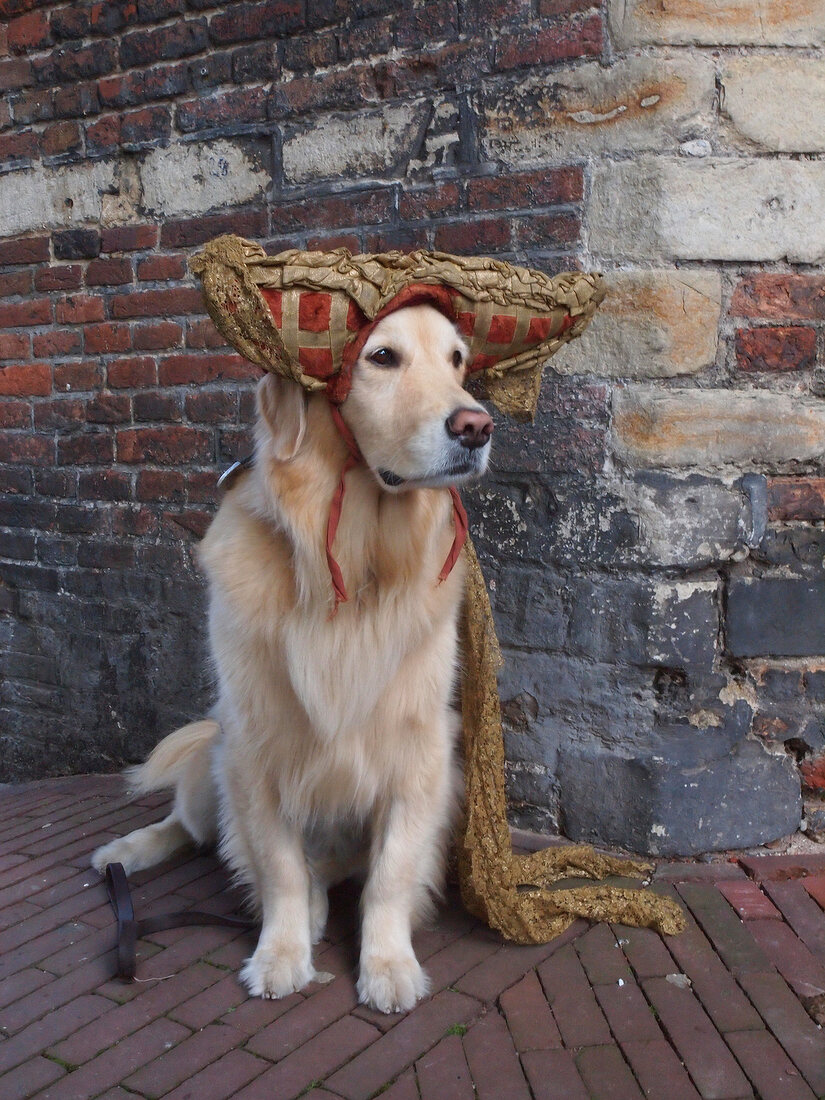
(183, 761)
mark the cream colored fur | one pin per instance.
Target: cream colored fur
(332, 744)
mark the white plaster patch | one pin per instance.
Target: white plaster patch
(41, 198)
(191, 179)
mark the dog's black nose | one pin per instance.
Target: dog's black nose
(471, 427)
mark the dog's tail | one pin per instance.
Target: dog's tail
(168, 760)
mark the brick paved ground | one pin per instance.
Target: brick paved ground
(725, 1011)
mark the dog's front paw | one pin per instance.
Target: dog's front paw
(278, 971)
(391, 984)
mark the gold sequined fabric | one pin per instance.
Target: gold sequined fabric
(260, 304)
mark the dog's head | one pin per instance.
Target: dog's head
(416, 425)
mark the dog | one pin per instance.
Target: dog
(331, 748)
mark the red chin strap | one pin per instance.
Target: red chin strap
(355, 458)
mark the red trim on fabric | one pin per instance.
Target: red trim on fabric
(466, 323)
(502, 329)
(355, 317)
(316, 362)
(482, 362)
(462, 525)
(273, 299)
(314, 311)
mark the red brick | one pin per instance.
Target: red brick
(443, 1073)
(335, 240)
(627, 1011)
(15, 414)
(166, 446)
(547, 231)
(799, 498)
(430, 202)
(553, 1075)
(813, 773)
(601, 956)
(203, 334)
(15, 345)
(29, 379)
(212, 407)
(107, 337)
(157, 337)
(555, 42)
(262, 20)
(42, 1034)
(37, 312)
(78, 309)
(76, 100)
(61, 412)
(706, 1058)
(59, 277)
(575, 1009)
(109, 272)
(20, 447)
(192, 231)
(15, 73)
(29, 32)
(34, 106)
(780, 297)
(24, 250)
(493, 1062)
(151, 124)
(238, 106)
(731, 939)
(797, 965)
(749, 901)
(775, 348)
(158, 268)
(224, 1079)
(103, 485)
(791, 1024)
(128, 238)
(336, 212)
(658, 1070)
(108, 408)
(89, 449)
(103, 135)
(478, 236)
(61, 137)
(176, 370)
(182, 38)
(525, 189)
(157, 303)
(767, 1065)
(76, 376)
(19, 146)
(13, 283)
(132, 373)
(75, 63)
(782, 868)
(156, 405)
(605, 1073)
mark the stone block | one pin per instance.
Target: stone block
(653, 324)
(684, 793)
(370, 143)
(684, 626)
(708, 209)
(775, 617)
(637, 104)
(528, 610)
(757, 92)
(42, 197)
(712, 428)
(193, 178)
(717, 22)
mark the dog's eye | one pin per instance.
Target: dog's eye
(458, 359)
(384, 357)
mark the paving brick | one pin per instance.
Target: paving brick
(657, 1069)
(629, 1015)
(768, 1066)
(165, 1073)
(801, 912)
(606, 1074)
(405, 1088)
(601, 956)
(43, 1033)
(450, 964)
(796, 1032)
(528, 1015)
(575, 1008)
(797, 965)
(501, 970)
(443, 1073)
(713, 984)
(699, 1045)
(779, 868)
(210, 1004)
(28, 1079)
(117, 1062)
(339, 1043)
(644, 950)
(553, 1075)
(305, 1020)
(493, 1061)
(123, 1020)
(417, 1032)
(729, 936)
(256, 1013)
(749, 901)
(26, 981)
(699, 872)
(52, 995)
(224, 1078)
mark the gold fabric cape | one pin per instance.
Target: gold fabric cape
(297, 313)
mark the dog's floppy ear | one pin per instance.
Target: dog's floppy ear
(282, 410)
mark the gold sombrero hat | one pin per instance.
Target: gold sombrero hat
(306, 315)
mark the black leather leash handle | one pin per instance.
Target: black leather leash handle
(129, 930)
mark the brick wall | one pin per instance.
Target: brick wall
(653, 543)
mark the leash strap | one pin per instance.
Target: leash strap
(129, 930)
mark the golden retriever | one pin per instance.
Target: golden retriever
(332, 745)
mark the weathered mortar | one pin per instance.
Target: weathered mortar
(643, 540)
